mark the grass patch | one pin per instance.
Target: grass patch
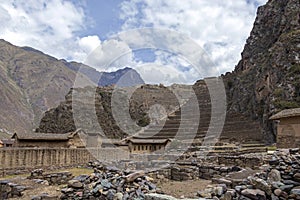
(14, 176)
(75, 171)
(271, 148)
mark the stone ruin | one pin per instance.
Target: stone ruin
(58, 178)
(10, 190)
(276, 177)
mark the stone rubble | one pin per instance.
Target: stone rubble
(58, 178)
(10, 190)
(109, 183)
(278, 180)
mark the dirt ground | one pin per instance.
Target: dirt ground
(38, 189)
(184, 189)
(34, 188)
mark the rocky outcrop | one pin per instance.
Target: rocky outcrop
(61, 118)
(267, 79)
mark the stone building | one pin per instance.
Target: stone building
(146, 145)
(288, 128)
(51, 140)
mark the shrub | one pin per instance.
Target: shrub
(281, 104)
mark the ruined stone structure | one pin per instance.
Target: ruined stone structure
(181, 125)
(288, 128)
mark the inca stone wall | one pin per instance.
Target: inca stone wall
(29, 158)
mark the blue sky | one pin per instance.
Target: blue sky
(72, 30)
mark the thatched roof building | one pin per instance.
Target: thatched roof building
(41, 136)
(288, 128)
(51, 140)
(295, 112)
(139, 145)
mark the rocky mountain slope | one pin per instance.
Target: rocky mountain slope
(122, 77)
(61, 119)
(267, 78)
(31, 82)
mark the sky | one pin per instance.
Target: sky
(109, 35)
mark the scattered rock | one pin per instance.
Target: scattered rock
(254, 194)
(274, 176)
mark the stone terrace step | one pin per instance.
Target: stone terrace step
(236, 125)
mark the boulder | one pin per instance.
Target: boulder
(158, 197)
(277, 192)
(261, 184)
(274, 176)
(75, 184)
(296, 177)
(135, 175)
(254, 194)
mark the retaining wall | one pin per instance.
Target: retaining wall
(28, 158)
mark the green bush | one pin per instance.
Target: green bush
(295, 69)
(144, 121)
(229, 84)
(278, 92)
(281, 104)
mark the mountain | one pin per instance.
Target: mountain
(100, 101)
(32, 82)
(267, 78)
(123, 77)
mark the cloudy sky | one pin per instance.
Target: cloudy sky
(89, 31)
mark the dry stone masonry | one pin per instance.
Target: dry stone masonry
(278, 180)
(10, 190)
(51, 178)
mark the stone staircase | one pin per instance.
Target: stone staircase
(198, 121)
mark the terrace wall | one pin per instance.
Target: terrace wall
(31, 158)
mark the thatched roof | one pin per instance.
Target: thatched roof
(295, 112)
(41, 136)
(148, 141)
(46, 136)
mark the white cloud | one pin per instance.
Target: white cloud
(50, 26)
(110, 54)
(166, 73)
(89, 43)
(169, 46)
(220, 27)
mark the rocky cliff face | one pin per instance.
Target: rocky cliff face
(267, 79)
(61, 119)
(32, 82)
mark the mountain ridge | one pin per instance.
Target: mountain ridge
(31, 83)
